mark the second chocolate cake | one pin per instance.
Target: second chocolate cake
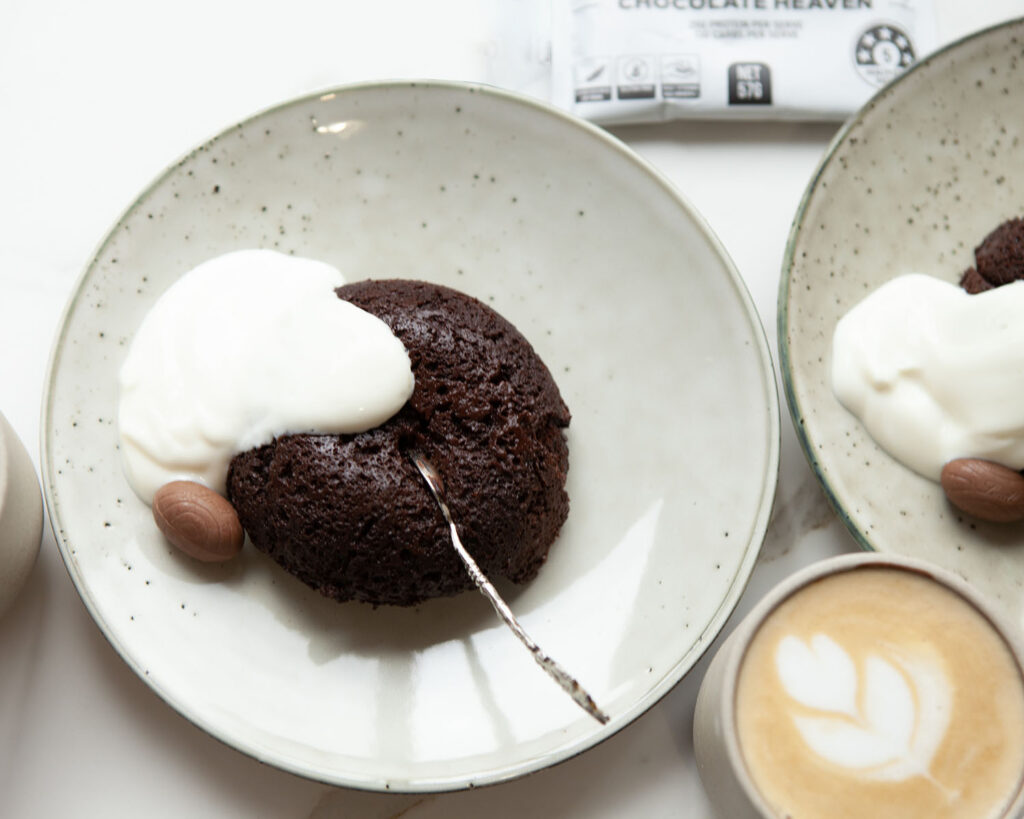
(350, 516)
(999, 258)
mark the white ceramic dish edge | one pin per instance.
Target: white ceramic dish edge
(619, 720)
(795, 410)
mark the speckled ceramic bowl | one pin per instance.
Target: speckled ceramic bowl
(911, 184)
(645, 325)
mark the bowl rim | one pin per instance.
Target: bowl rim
(529, 764)
(795, 232)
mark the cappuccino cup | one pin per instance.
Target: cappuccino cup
(21, 515)
(864, 686)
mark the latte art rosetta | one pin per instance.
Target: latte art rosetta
(884, 718)
(877, 693)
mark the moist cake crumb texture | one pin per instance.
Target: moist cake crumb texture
(999, 259)
(349, 515)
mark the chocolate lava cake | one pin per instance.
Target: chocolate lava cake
(999, 259)
(350, 515)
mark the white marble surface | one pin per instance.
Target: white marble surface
(95, 98)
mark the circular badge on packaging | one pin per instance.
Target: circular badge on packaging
(882, 52)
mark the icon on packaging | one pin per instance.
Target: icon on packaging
(881, 53)
(750, 84)
(593, 79)
(680, 76)
(636, 78)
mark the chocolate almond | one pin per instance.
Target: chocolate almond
(198, 521)
(984, 489)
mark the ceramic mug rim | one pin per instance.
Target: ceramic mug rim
(11, 466)
(830, 567)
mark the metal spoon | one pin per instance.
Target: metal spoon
(557, 673)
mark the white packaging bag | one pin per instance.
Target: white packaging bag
(619, 61)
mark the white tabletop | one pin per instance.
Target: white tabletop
(95, 99)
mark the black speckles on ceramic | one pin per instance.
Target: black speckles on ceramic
(623, 292)
(913, 183)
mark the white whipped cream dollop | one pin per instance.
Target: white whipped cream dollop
(244, 348)
(935, 373)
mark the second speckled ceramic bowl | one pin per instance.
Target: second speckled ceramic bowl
(911, 184)
(644, 323)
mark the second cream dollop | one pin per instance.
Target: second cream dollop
(934, 373)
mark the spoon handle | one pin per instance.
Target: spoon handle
(557, 673)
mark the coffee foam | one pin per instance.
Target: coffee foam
(890, 729)
(878, 692)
